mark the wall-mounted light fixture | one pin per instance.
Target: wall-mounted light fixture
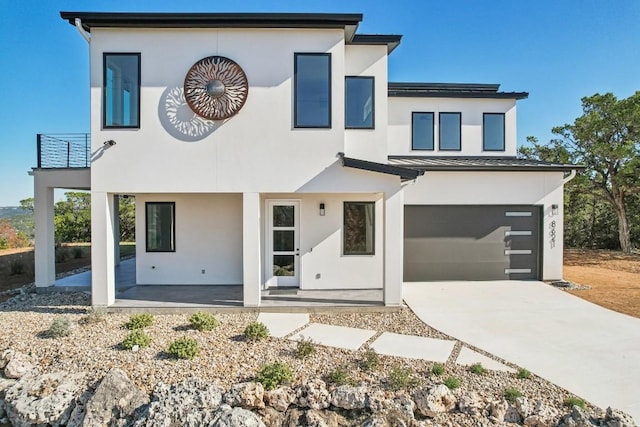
(555, 209)
(109, 143)
(321, 209)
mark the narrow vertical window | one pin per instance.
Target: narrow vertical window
(493, 132)
(422, 131)
(121, 90)
(312, 90)
(160, 226)
(450, 131)
(359, 228)
(359, 103)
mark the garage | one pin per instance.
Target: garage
(490, 242)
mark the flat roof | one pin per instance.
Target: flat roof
(451, 90)
(501, 164)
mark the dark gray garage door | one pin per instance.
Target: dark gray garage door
(471, 242)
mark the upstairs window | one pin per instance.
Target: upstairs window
(422, 131)
(493, 132)
(312, 90)
(161, 226)
(359, 103)
(450, 131)
(121, 90)
(359, 228)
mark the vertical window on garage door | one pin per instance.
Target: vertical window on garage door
(359, 228)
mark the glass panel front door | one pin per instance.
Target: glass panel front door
(283, 247)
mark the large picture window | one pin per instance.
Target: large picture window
(160, 226)
(312, 90)
(359, 228)
(121, 90)
(359, 103)
(493, 132)
(450, 131)
(422, 131)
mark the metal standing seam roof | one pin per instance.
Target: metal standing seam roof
(451, 90)
(504, 164)
(403, 172)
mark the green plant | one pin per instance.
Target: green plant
(16, 267)
(274, 374)
(60, 327)
(184, 348)
(136, 337)
(523, 374)
(370, 360)
(452, 383)
(477, 369)
(511, 394)
(256, 331)
(572, 401)
(340, 376)
(77, 252)
(62, 254)
(402, 378)
(203, 321)
(305, 348)
(94, 315)
(139, 321)
(437, 369)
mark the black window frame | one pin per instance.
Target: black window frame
(104, 89)
(146, 226)
(344, 229)
(504, 136)
(433, 131)
(373, 100)
(295, 90)
(459, 114)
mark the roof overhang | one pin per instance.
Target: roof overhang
(405, 174)
(451, 90)
(486, 164)
(392, 41)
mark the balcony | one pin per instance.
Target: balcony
(64, 150)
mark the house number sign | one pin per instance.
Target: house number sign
(552, 234)
(216, 88)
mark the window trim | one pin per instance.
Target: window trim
(344, 234)
(146, 226)
(104, 89)
(433, 130)
(440, 131)
(373, 98)
(504, 135)
(295, 89)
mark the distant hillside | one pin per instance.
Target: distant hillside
(20, 219)
(8, 211)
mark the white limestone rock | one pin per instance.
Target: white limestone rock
(436, 400)
(280, 398)
(236, 417)
(349, 397)
(246, 395)
(313, 395)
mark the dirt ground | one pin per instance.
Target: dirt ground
(613, 276)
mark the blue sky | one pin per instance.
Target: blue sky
(558, 51)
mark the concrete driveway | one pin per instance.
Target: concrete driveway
(584, 348)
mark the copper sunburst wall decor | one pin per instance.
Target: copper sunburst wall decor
(216, 88)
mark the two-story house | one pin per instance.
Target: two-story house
(271, 150)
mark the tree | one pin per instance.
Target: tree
(72, 218)
(27, 204)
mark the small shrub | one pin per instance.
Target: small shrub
(256, 331)
(340, 376)
(437, 369)
(60, 327)
(136, 337)
(402, 378)
(62, 254)
(16, 267)
(477, 369)
(95, 315)
(203, 321)
(184, 348)
(274, 374)
(511, 394)
(523, 374)
(77, 252)
(452, 383)
(139, 321)
(572, 401)
(305, 348)
(370, 360)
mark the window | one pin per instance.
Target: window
(312, 90)
(450, 131)
(121, 90)
(359, 102)
(359, 228)
(161, 226)
(493, 132)
(422, 131)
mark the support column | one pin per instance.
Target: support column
(393, 247)
(116, 229)
(45, 260)
(102, 249)
(251, 249)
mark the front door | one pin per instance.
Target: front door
(283, 243)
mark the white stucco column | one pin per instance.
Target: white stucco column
(102, 249)
(45, 260)
(116, 229)
(393, 246)
(251, 249)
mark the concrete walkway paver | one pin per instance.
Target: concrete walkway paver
(584, 348)
(282, 324)
(335, 336)
(413, 347)
(468, 357)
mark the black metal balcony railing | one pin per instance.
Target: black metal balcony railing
(64, 150)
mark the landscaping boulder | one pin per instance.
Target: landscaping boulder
(433, 401)
(542, 416)
(315, 418)
(313, 395)
(349, 397)
(471, 404)
(16, 364)
(577, 418)
(617, 418)
(280, 398)
(246, 395)
(235, 417)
